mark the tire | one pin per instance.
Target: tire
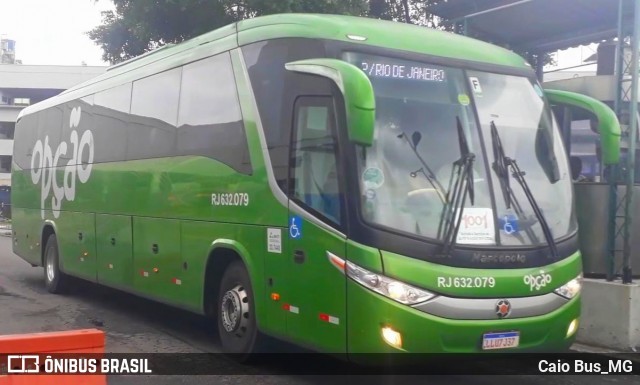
(236, 318)
(55, 280)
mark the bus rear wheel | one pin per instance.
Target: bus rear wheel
(55, 280)
(236, 316)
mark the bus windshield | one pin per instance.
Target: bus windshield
(406, 176)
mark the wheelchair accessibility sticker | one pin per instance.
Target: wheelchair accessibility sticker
(295, 227)
(509, 224)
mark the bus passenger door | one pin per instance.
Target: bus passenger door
(315, 301)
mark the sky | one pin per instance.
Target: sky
(574, 57)
(53, 32)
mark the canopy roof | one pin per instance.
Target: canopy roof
(537, 25)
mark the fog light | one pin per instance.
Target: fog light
(392, 337)
(573, 327)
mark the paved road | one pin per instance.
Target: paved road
(134, 325)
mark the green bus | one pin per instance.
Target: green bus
(346, 184)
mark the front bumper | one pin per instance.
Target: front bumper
(369, 312)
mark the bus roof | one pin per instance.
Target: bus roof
(380, 33)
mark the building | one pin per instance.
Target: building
(22, 85)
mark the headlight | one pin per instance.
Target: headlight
(571, 288)
(386, 286)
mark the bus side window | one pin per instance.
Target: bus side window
(314, 165)
(25, 139)
(209, 117)
(152, 131)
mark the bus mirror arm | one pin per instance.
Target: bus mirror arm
(356, 90)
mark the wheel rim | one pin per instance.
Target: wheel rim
(51, 272)
(234, 311)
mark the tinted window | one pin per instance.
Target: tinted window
(50, 126)
(7, 130)
(25, 139)
(84, 123)
(210, 122)
(5, 163)
(154, 110)
(275, 90)
(109, 113)
(584, 143)
(116, 98)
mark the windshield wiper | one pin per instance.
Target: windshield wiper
(501, 167)
(429, 174)
(462, 170)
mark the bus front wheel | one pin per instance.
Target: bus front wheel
(54, 279)
(236, 316)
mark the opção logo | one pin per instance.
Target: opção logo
(538, 281)
(44, 163)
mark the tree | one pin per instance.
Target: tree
(407, 11)
(138, 26)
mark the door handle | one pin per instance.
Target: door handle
(298, 256)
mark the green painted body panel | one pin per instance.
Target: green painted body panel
(114, 246)
(424, 333)
(76, 234)
(156, 246)
(316, 287)
(508, 282)
(276, 269)
(27, 228)
(367, 257)
(178, 188)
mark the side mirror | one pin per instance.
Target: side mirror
(608, 124)
(356, 89)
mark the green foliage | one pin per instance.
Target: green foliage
(138, 26)
(408, 11)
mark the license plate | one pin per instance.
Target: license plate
(506, 340)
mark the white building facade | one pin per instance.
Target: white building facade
(23, 85)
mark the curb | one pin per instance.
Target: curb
(617, 354)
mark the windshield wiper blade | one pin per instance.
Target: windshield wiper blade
(506, 162)
(457, 193)
(500, 166)
(502, 170)
(467, 158)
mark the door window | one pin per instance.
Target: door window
(314, 161)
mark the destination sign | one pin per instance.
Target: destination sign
(399, 71)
